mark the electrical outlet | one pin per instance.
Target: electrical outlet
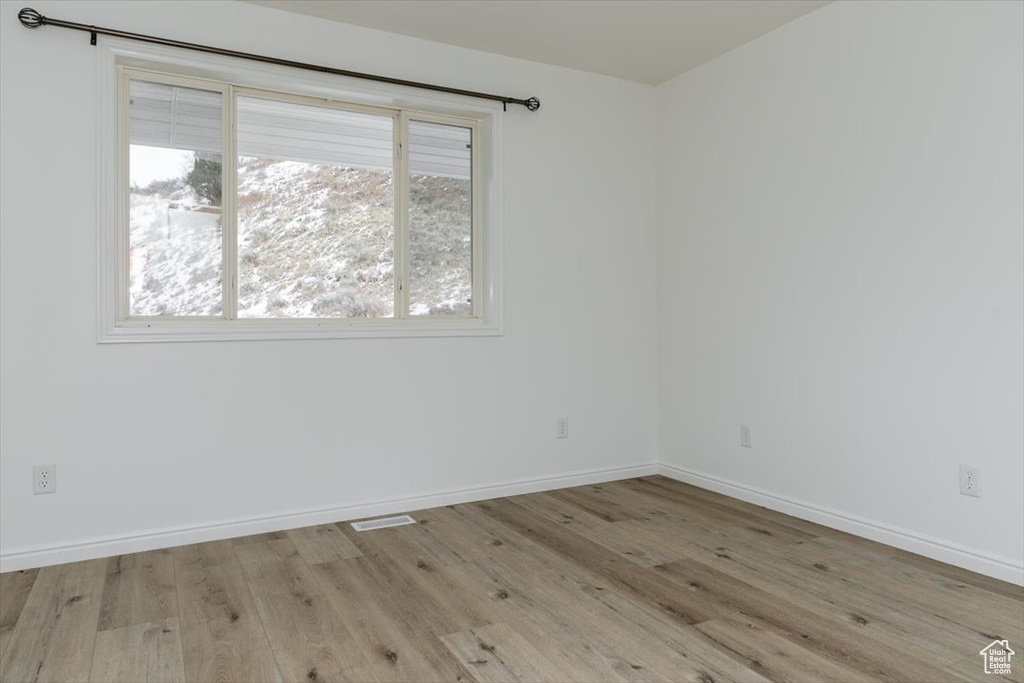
(44, 479)
(969, 484)
(562, 429)
(745, 436)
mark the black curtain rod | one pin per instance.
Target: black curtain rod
(30, 18)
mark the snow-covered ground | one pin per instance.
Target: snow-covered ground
(175, 260)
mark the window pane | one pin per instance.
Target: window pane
(174, 170)
(316, 212)
(440, 220)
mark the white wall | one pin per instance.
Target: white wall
(164, 436)
(840, 267)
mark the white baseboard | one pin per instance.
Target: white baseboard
(106, 546)
(984, 563)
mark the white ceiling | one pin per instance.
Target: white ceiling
(641, 40)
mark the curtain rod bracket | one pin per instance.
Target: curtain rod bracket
(30, 18)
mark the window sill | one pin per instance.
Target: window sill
(246, 330)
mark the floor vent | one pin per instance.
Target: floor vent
(382, 523)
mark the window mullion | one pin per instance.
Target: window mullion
(476, 232)
(401, 186)
(123, 239)
(229, 217)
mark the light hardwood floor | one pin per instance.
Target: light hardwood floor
(638, 580)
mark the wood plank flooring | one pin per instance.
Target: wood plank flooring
(638, 580)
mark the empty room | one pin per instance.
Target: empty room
(511, 340)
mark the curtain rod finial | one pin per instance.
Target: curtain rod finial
(533, 104)
(30, 18)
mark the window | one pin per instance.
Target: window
(315, 207)
(175, 212)
(250, 212)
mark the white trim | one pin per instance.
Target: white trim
(988, 564)
(996, 566)
(400, 271)
(107, 546)
(261, 330)
(113, 327)
(229, 213)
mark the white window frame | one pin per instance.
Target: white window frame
(119, 59)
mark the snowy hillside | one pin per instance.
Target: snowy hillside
(314, 241)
